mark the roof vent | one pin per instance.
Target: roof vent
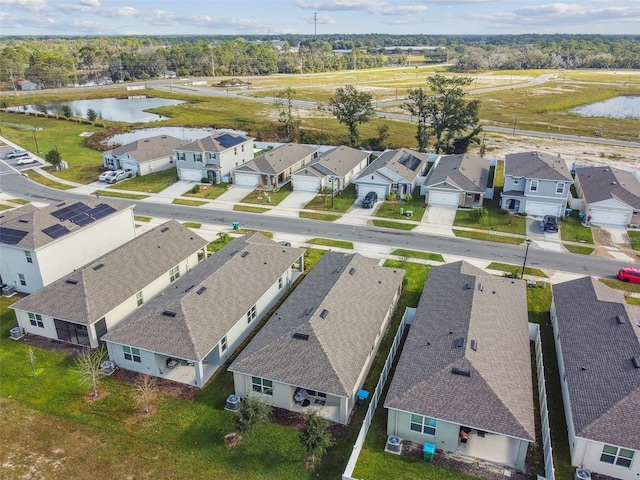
(244, 254)
(98, 266)
(636, 362)
(23, 220)
(301, 336)
(308, 311)
(165, 229)
(189, 288)
(620, 319)
(480, 287)
(201, 290)
(324, 313)
(467, 286)
(352, 270)
(71, 281)
(465, 372)
(169, 313)
(458, 342)
(474, 345)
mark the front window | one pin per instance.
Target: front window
(35, 319)
(251, 314)
(223, 344)
(28, 255)
(139, 299)
(174, 273)
(423, 424)
(534, 186)
(22, 280)
(261, 385)
(197, 157)
(131, 354)
(280, 283)
(560, 188)
(181, 156)
(617, 456)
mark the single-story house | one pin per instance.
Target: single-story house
(334, 169)
(463, 382)
(144, 156)
(597, 337)
(27, 85)
(458, 180)
(610, 196)
(186, 333)
(273, 169)
(213, 157)
(87, 303)
(315, 351)
(40, 245)
(535, 183)
(394, 171)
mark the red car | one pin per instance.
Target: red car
(629, 274)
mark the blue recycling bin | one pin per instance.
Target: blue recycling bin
(363, 395)
(428, 450)
(236, 225)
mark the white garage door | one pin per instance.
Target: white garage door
(189, 174)
(608, 217)
(305, 184)
(363, 189)
(444, 198)
(541, 209)
(245, 179)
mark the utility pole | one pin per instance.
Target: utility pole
(315, 25)
(213, 67)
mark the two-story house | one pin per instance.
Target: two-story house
(535, 183)
(213, 157)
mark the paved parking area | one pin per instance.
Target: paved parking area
(228, 199)
(357, 215)
(438, 220)
(613, 242)
(543, 240)
(290, 206)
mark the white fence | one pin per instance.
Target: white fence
(534, 334)
(407, 319)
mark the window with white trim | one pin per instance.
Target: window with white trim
(197, 157)
(534, 185)
(35, 319)
(174, 273)
(280, 283)
(223, 344)
(251, 314)
(423, 424)
(131, 354)
(181, 156)
(139, 298)
(560, 188)
(27, 254)
(617, 456)
(262, 385)
(23, 281)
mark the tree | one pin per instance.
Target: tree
(66, 111)
(88, 366)
(92, 115)
(146, 393)
(417, 106)
(314, 436)
(290, 125)
(251, 413)
(53, 157)
(352, 108)
(450, 114)
(479, 214)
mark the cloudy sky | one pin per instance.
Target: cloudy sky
(264, 17)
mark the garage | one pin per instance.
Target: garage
(542, 209)
(605, 216)
(305, 184)
(364, 188)
(190, 175)
(444, 198)
(245, 179)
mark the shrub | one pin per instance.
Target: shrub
(408, 197)
(252, 412)
(392, 197)
(205, 180)
(479, 214)
(195, 189)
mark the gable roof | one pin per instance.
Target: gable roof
(356, 294)
(466, 172)
(219, 142)
(406, 163)
(337, 161)
(536, 165)
(463, 304)
(147, 149)
(602, 183)
(30, 227)
(597, 351)
(89, 293)
(280, 159)
(233, 279)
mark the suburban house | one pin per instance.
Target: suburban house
(87, 303)
(394, 171)
(40, 245)
(315, 351)
(335, 169)
(458, 180)
(610, 196)
(213, 157)
(535, 183)
(597, 337)
(144, 156)
(273, 169)
(27, 85)
(186, 333)
(463, 382)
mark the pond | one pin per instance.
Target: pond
(619, 107)
(189, 134)
(131, 110)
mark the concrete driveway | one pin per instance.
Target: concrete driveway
(438, 220)
(228, 199)
(613, 242)
(292, 204)
(543, 240)
(357, 215)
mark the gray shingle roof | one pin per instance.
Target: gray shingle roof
(602, 183)
(124, 272)
(33, 220)
(467, 172)
(536, 165)
(280, 159)
(462, 302)
(409, 164)
(333, 357)
(211, 143)
(233, 283)
(340, 160)
(597, 351)
(147, 149)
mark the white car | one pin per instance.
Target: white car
(17, 153)
(106, 176)
(26, 160)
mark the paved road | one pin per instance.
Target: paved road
(16, 184)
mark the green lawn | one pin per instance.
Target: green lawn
(250, 209)
(152, 183)
(579, 249)
(328, 242)
(192, 224)
(130, 196)
(620, 285)
(571, 230)
(273, 197)
(41, 179)
(392, 209)
(396, 225)
(141, 218)
(189, 203)
(634, 236)
(341, 202)
(497, 220)
(436, 257)
(488, 237)
(516, 269)
(209, 192)
(327, 217)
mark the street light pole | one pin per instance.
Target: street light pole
(36, 140)
(524, 263)
(333, 189)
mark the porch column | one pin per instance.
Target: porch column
(199, 373)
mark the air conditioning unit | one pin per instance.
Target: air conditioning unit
(107, 368)
(8, 290)
(394, 444)
(16, 333)
(233, 403)
(582, 474)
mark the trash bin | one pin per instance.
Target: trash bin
(236, 225)
(427, 451)
(401, 210)
(409, 213)
(363, 395)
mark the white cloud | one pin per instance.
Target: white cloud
(321, 19)
(402, 10)
(337, 5)
(90, 3)
(31, 5)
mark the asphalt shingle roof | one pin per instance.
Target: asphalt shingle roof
(211, 143)
(461, 303)
(602, 183)
(124, 272)
(147, 149)
(357, 293)
(597, 352)
(280, 159)
(234, 279)
(340, 160)
(407, 163)
(536, 165)
(467, 172)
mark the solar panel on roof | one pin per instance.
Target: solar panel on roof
(56, 231)
(228, 141)
(11, 236)
(71, 211)
(82, 219)
(101, 210)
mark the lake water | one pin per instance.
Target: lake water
(618, 107)
(131, 110)
(190, 134)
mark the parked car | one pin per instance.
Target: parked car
(25, 160)
(118, 175)
(549, 223)
(17, 153)
(370, 200)
(629, 274)
(104, 176)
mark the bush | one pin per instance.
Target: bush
(479, 214)
(205, 180)
(408, 197)
(392, 197)
(252, 412)
(195, 189)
